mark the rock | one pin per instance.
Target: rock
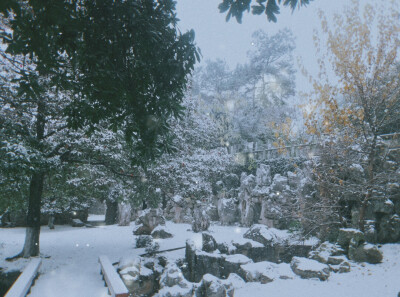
(138, 278)
(173, 276)
(149, 219)
(200, 263)
(294, 180)
(227, 211)
(263, 175)
(249, 208)
(389, 229)
(161, 232)
(247, 183)
(231, 264)
(308, 268)
(266, 236)
(77, 223)
(175, 291)
(325, 251)
(231, 181)
(124, 214)
(236, 281)
(201, 221)
(212, 212)
(365, 253)
(347, 234)
(212, 286)
(265, 272)
(383, 206)
(370, 231)
(340, 268)
(209, 243)
(143, 241)
(336, 260)
(279, 183)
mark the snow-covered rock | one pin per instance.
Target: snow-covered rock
(347, 234)
(265, 272)
(212, 286)
(228, 211)
(364, 253)
(149, 219)
(77, 223)
(325, 251)
(161, 232)
(266, 236)
(201, 220)
(308, 268)
(263, 175)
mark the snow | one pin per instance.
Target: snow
(93, 217)
(309, 264)
(73, 268)
(367, 280)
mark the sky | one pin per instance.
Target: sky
(231, 41)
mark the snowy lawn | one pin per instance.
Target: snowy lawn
(73, 269)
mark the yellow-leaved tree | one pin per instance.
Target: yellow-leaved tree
(354, 102)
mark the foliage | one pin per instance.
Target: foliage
(350, 113)
(249, 102)
(198, 161)
(235, 8)
(71, 68)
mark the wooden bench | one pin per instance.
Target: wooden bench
(115, 285)
(24, 282)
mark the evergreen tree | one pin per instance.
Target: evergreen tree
(81, 64)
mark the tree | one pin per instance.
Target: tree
(352, 113)
(80, 64)
(235, 8)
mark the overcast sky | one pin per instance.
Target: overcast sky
(230, 41)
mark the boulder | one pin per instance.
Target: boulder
(212, 286)
(161, 232)
(149, 219)
(266, 236)
(201, 220)
(383, 206)
(77, 223)
(263, 175)
(231, 264)
(279, 183)
(308, 268)
(347, 234)
(365, 253)
(173, 283)
(370, 232)
(389, 229)
(209, 243)
(231, 181)
(325, 251)
(138, 278)
(343, 267)
(265, 272)
(294, 180)
(228, 211)
(200, 263)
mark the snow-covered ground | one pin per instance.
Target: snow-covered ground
(72, 268)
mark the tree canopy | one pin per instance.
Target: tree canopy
(236, 8)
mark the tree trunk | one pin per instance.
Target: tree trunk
(31, 245)
(111, 212)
